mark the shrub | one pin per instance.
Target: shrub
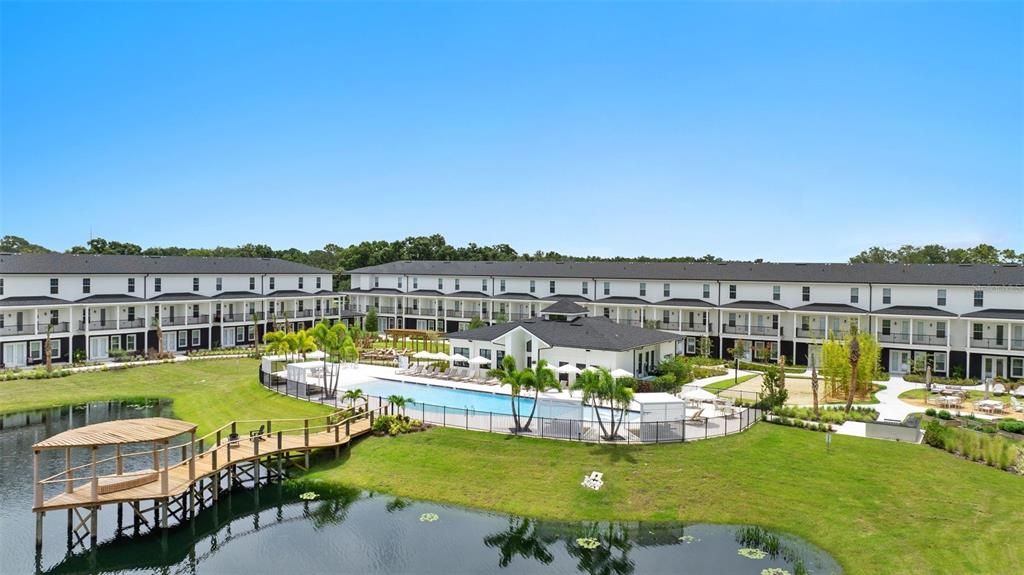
(1012, 426)
(930, 412)
(943, 414)
(935, 434)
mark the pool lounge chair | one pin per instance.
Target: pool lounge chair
(414, 370)
(698, 417)
(1016, 405)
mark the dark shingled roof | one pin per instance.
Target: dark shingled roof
(564, 307)
(111, 264)
(326, 292)
(913, 310)
(513, 295)
(289, 293)
(373, 291)
(996, 314)
(749, 304)
(923, 274)
(830, 308)
(236, 295)
(581, 333)
(424, 292)
(684, 302)
(177, 296)
(32, 300)
(559, 297)
(623, 299)
(469, 294)
(110, 298)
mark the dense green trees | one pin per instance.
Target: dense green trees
(936, 254)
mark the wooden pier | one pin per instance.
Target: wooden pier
(176, 480)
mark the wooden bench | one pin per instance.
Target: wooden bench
(112, 483)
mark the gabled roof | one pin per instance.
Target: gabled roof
(177, 296)
(750, 304)
(581, 333)
(914, 310)
(830, 308)
(110, 298)
(289, 293)
(570, 297)
(623, 300)
(564, 307)
(424, 292)
(236, 295)
(327, 292)
(997, 314)
(684, 302)
(513, 295)
(32, 300)
(52, 263)
(469, 294)
(373, 291)
(921, 274)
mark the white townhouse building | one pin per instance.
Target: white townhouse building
(92, 304)
(966, 319)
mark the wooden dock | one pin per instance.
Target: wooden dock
(194, 481)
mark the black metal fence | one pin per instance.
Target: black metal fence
(629, 432)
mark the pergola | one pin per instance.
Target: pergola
(419, 337)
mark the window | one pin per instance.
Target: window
(251, 332)
(376, 281)
(805, 293)
(271, 283)
(533, 286)
(157, 284)
(483, 284)
(939, 361)
(182, 338)
(666, 290)
(252, 283)
(691, 345)
(732, 291)
(643, 289)
(54, 286)
(302, 281)
(54, 317)
(220, 284)
(940, 329)
(1017, 367)
(978, 331)
(776, 293)
(415, 283)
(115, 342)
(131, 285)
(940, 296)
(195, 284)
(607, 288)
(440, 283)
(886, 327)
(271, 310)
(805, 322)
(979, 298)
(854, 295)
(732, 319)
(196, 337)
(583, 287)
(129, 342)
(1, 286)
(239, 334)
(319, 282)
(886, 295)
(301, 305)
(502, 285)
(131, 313)
(457, 288)
(54, 348)
(86, 285)
(707, 291)
(551, 286)
(35, 350)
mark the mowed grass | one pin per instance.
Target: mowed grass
(877, 506)
(207, 392)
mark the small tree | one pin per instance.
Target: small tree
(370, 323)
(774, 393)
(48, 350)
(854, 348)
(159, 335)
(814, 385)
(255, 332)
(704, 347)
(475, 323)
(352, 395)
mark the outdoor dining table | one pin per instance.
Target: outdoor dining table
(990, 405)
(948, 401)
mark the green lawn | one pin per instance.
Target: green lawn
(971, 395)
(877, 506)
(207, 392)
(729, 383)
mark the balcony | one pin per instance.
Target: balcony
(352, 307)
(738, 329)
(420, 311)
(519, 316)
(299, 314)
(236, 317)
(631, 322)
(808, 333)
(331, 311)
(17, 330)
(925, 339)
(764, 330)
(97, 325)
(388, 309)
(453, 313)
(181, 320)
(894, 338)
(989, 343)
(1017, 344)
(133, 323)
(59, 327)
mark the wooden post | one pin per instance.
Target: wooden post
(305, 432)
(156, 456)
(68, 474)
(120, 460)
(164, 478)
(269, 423)
(38, 497)
(94, 490)
(39, 530)
(94, 517)
(192, 460)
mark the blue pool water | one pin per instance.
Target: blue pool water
(444, 396)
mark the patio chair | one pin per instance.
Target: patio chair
(255, 436)
(998, 389)
(1016, 405)
(698, 416)
(446, 374)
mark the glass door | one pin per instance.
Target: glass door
(899, 361)
(99, 347)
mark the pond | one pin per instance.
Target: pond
(272, 529)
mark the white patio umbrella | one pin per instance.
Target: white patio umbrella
(459, 357)
(441, 356)
(697, 394)
(569, 369)
(617, 373)
(423, 355)
(479, 360)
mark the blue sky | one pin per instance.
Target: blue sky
(783, 131)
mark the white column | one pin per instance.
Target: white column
(35, 321)
(750, 322)
(145, 324)
(209, 330)
(117, 317)
(910, 336)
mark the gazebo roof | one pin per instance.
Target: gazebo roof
(118, 432)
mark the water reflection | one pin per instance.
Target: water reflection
(521, 539)
(610, 556)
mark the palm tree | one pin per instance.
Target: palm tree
(277, 343)
(255, 332)
(590, 383)
(48, 350)
(352, 395)
(159, 335)
(304, 343)
(854, 360)
(541, 378)
(599, 387)
(329, 339)
(399, 402)
(621, 395)
(507, 374)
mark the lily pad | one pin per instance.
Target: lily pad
(308, 496)
(775, 571)
(429, 517)
(750, 553)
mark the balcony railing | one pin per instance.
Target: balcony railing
(763, 330)
(519, 316)
(23, 329)
(894, 337)
(925, 339)
(424, 311)
(97, 325)
(989, 342)
(625, 321)
(1017, 344)
(182, 320)
(388, 309)
(234, 317)
(810, 333)
(59, 327)
(453, 313)
(132, 323)
(741, 329)
(331, 311)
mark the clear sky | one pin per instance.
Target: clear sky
(784, 131)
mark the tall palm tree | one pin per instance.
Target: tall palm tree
(48, 350)
(854, 360)
(255, 332)
(620, 395)
(507, 374)
(814, 385)
(541, 378)
(329, 338)
(590, 383)
(304, 343)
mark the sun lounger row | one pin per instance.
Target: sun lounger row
(452, 374)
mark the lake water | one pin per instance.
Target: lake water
(272, 530)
